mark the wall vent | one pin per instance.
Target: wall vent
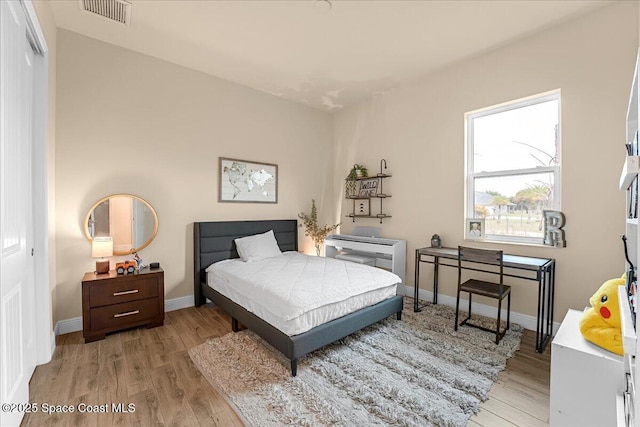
(115, 10)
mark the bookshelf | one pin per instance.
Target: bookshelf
(627, 400)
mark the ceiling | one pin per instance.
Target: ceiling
(321, 56)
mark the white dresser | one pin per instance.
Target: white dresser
(584, 379)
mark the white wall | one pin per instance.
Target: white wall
(419, 130)
(130, 123)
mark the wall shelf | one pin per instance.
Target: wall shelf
(379, 175)
(354, 216)
(378, 194)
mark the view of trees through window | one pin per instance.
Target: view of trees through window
(514, 167)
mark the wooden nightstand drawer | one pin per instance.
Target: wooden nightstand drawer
(123, 291)
(121, 315)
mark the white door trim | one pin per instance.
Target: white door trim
(45, 339)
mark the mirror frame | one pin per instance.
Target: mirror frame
(104, 199)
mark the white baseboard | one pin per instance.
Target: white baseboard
(68, 325)
(75, 324)
(524, 320)
(178, 303)
(528, 322)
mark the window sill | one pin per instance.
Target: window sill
(511, 243)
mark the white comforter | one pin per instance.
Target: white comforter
(295, 292)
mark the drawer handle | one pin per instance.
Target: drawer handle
(128, 313)
(117, 294)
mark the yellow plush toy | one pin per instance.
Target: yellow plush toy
(600, 324)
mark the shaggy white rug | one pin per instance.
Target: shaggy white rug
(413, 372)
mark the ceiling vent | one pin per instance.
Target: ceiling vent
(115, 10)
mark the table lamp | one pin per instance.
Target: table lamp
(102, 247)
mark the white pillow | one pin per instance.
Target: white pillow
(258, 247)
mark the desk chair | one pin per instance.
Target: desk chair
(479, 287)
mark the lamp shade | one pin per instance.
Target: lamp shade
(102, 247)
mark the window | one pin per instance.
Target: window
(513, 167)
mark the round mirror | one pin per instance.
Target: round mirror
(129, 220)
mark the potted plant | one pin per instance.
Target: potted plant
(357, 171)
(317, 234)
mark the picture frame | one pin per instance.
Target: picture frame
(361, 207)
(246, 181)
(474, 228)
(368, 187)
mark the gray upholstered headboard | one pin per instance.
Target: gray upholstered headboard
(213, 241)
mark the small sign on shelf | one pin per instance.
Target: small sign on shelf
(368, 187)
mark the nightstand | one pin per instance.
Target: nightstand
(112, 302)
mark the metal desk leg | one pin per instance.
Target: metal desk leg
(539, 312)
(435, 279)
(416, 283)
(546, 290)
(539, 345)
(552, 289)
(547, 333)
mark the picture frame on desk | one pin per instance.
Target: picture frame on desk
(474, 228)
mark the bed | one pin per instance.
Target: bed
(214, 241)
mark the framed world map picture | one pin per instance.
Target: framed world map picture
(245, 181)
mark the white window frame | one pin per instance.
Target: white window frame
(471, 176)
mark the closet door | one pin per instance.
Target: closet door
(17, 316)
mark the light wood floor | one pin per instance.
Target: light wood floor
(151, 369)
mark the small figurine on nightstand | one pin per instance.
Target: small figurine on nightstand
(138, 260)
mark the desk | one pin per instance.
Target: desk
(541, 270)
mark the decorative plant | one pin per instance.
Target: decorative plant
(316, 233)
(357, 171)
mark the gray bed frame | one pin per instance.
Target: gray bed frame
(214, 241)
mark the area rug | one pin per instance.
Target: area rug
(414, 372)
